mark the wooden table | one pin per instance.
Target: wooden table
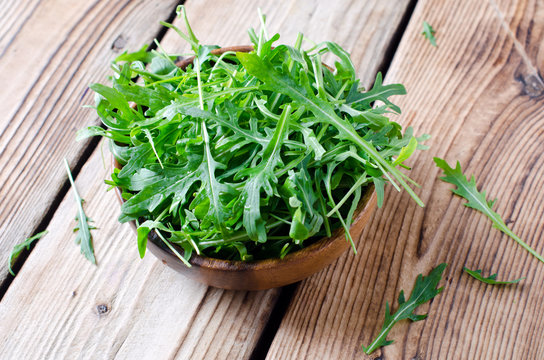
(480, 94)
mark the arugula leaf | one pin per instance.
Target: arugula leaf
(18, 248)
(214, 188)
(492, 279)
(379, 92)
(169, 183)
(424, 290)
(406, 151)
(261, 177)
(83, 229)
(429, 32)
(141, 55)
(477, 200)
(247, 156)
(116, 100)
(321, 109)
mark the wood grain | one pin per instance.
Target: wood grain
(50, 51)
(479, 94)
(60, 305)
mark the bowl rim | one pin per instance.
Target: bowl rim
(366, 203)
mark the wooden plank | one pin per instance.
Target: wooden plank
(480, 96)
(152, 312)
(357, 26)
(60, 304)
(49, 51)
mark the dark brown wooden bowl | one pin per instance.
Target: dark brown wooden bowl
(260, 274)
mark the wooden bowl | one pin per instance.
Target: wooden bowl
(260, 274)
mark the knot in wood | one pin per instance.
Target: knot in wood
(102, 309)
(119, 43)
(533, 85)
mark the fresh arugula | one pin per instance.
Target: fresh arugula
(248, 155)
(492, 279)
(18, 249)
(429, 32)
(83, 229)
(424, 290)
(477, 200)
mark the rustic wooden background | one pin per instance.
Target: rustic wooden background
(480, 94)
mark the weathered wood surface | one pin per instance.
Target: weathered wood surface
(481, 97)
(50, 50)
(358, 26)
(61, 306)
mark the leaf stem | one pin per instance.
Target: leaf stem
(199, 82)
(509, 232)
(380, 339)
(157, 231)
(76, 194)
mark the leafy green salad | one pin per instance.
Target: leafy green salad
(248, 155)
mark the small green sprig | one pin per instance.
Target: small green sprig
(18, 249)
(492, 279)
(83, 229)
(477, 200)
(429, 32)
(424, 290)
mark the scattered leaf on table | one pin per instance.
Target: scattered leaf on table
(492, 279)
(429, 32)
(83, 229)
(17, 249)
(424, 290)
(477, 200)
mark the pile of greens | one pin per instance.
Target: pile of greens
(247, 155)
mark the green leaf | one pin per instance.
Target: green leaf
(321, 109)
(379, 185)
(142, 232)
(298, 231)
(18, 249)
(344, 67)
(154, 99)
(89, 132)
(250, 156)
(83, 229)
(477, 200)
(312, 143)
(214, 188)
(115, 99)
(424, 290)
(140, 55)
(406, 151)
(262, 177)
(379, 92)
(492, 279)
(429, 32)
(169, 183)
